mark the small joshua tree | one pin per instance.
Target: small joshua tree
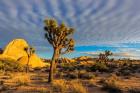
(107, 54)
(1, 50)
(104, 56)
(29, 51)
(60, 37)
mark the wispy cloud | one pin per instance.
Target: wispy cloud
(97, 22)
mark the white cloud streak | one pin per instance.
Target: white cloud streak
(96, 21)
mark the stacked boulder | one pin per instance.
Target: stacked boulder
(15, 50)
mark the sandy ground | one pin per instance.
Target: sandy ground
(38, 83)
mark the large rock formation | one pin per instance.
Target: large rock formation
(15, 50)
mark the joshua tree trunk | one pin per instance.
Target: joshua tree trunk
(56, 61)
(27, 65)
(52, 66)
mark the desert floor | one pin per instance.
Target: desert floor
(36, 82)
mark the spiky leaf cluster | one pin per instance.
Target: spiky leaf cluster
(29, 50)
(59, 36)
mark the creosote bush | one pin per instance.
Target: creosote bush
(72, 75)
(83, 74)
(100, 66)
(110, 84)
(11, 66)
(133, 90)
(69, 66)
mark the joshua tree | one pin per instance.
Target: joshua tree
(60, 37)
(107, 54)
(29, 51)
(104, 56)
(1, 50)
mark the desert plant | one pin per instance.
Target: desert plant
(69, 66)
(60, 86)
(2, 65)
(99, 66)
(1, 50)
(133, 90)
(110, 84)
(77, 87)
(22, 79)
(85, 75)
(72, 75)
(103, 57)
(59, 36)
(111, 87)
(11, 66)
(29, 51)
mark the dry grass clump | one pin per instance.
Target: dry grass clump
(21, 79)
(32, 89)
(133, 90)
(60, 86)
(91, 82)
(77, 87)
(110, 84)
(2, 86)
(63, 86)
(83, 74)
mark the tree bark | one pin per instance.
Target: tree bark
(27, 65)
(56, 60)
(52, 66)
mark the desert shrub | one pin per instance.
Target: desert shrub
(21, 79)
(36, 69)
(91, 83)
(85, 75)
(72, 75)
(111, 87)
(59, 75)
(1, 82)
(1, 65)
(43, 90)
(110, 84)
(135, 68)
(68, 66)
(11, 66)
(77, 87)
(33, 90)
(60, 86)
(133, 90)
(63, 86)
(3, 88)
(125, 71)
(100, 66)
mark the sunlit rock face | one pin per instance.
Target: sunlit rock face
(34, 61)
(15, 50)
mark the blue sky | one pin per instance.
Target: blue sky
(100, 24)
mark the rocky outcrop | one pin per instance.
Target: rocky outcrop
(66, 60)
(15, 50)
